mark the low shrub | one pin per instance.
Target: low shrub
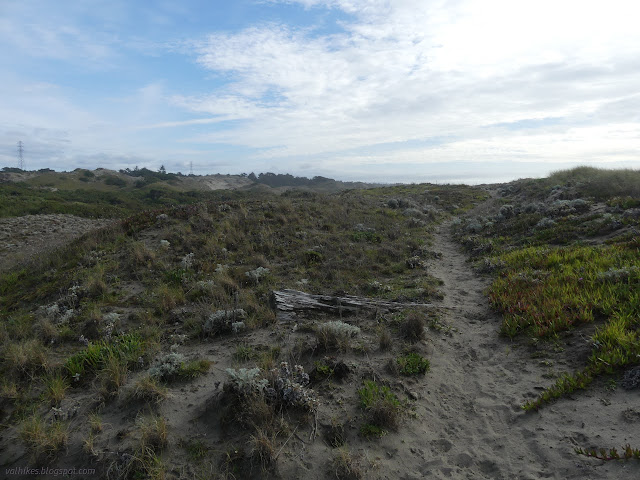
(381, 405)
(225, 321)
(413, 327)
(173, 365)
(245, 382)
(413, 364)
(335, 334)
(288, 388)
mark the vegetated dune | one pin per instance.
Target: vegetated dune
(103, 179)
(217, 182)
(490, 348)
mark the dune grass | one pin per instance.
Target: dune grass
(550, 281)
(599, 183)
(547, 290)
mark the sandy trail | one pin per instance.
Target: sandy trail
(470, 424)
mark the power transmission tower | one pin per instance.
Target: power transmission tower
(20, 155)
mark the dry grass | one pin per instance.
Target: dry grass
(255, 412)
(335, 434)
(346, 466)
(26, 357)
(413, 327)
(385, 341)
(43, 439)
(88, 445)
(600, 183)
(112, 376)
(96, 284)
(95, 423)
(169, 297)
(263, 449)
(46, 331)
(141, 256)
(149, 389)
(56, 388)
(8, 390)
(154, 432)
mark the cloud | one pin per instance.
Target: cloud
(54, 36)
(57, 130)
(403, 71)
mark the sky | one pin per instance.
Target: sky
(450, 91)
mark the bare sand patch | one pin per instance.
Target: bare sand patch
(29, 235)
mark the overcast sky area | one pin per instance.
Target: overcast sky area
(465, 91)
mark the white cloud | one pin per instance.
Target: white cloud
(52, 36)
(55, 128)
(404, 71)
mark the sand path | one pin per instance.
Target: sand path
(470, 424)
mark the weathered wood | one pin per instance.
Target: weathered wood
(291, 301)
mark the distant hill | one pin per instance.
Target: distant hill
(275, 180)
(140, 178)
(104, 193)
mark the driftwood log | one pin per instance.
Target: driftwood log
(288, 303)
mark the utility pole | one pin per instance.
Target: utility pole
(20, 155)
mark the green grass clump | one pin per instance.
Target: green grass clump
(322, 369)
(244, 353)
(549, 290)
(196, 449)
(194, 368)
(382, 406)
(611, 454)
(413, 364)
(127, 347)
(368, 430)
(370, 237)
(113, 375)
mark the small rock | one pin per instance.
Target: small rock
(413, 395)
